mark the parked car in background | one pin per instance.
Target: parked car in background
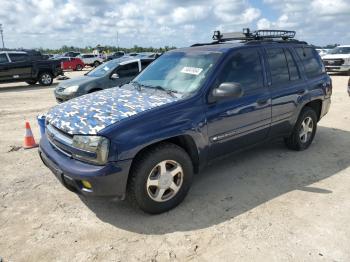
(146, 139)
(338, 59)
(115, 55)
(72, 63)
(322, 52)
(110, 74)
(71, 54)
(91, 59)
(19, 66)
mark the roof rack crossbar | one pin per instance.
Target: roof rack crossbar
(247, 35)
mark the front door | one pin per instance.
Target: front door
(20, 66)
(234, 124)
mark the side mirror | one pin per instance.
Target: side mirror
(114, 76)
(228, 90)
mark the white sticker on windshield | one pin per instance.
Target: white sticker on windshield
(106, 68)
(191, 70)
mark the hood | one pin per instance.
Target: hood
(91, 113)
(336, 56)
(76, 81)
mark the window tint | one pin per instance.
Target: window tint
(293, 70)
(18, 57)
(311, 61)
(3, 58)
(145, 63)
(278, 66)
(244, 67)
(128, 70)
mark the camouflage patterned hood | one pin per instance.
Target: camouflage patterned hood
(91, 113)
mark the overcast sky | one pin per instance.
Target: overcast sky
(53, 23)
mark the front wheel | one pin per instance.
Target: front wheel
(304, 130)
(45, 79)
(160, 178)
(96, 63)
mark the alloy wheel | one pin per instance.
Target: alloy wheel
(164, 181)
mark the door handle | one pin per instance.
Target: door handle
(301, 91)
(262, 101)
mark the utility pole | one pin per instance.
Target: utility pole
(2, 37)
(117, 41)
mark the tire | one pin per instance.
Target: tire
(142, 191)
(45, 79)
(79, 68)
(301, 138)
(96, 63)
(32, 82)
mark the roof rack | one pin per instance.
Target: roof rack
(258, 36)
(247, 35)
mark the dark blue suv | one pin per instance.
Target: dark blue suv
(146, 139)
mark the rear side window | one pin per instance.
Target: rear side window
(244, 67)
(3, 58)
(278, 66)
(311, 61)
(128, 70)
(145, 63)
(293, 70)
(18, 57)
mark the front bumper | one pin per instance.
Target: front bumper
(60, 98)
(341, 68)
(109, 180)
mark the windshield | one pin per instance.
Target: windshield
(178, 71)
(340, 50)
(104, 69)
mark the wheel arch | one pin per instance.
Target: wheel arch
(186, 142)
(315, 105)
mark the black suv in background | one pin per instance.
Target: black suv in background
(30, 67)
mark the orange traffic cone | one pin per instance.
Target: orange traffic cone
(29, 141)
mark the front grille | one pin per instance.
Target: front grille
(333, 62)
(59, 139)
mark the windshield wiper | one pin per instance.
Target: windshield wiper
(168, 91)
(137, 85)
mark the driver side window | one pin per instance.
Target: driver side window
(128, 70)
(244, 67)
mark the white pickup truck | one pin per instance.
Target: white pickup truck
(91, 59)
(338, 59)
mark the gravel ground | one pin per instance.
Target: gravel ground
(266, 204)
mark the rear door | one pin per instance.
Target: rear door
(237, 123)
(4, 68)
(286, 85)
(20, 66)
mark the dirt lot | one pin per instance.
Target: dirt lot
(266, 204)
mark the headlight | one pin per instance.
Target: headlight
(92, 149)
(70, 90)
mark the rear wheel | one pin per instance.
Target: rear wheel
(96, 63)
(79, 67)
(160, 178)
(304, 130)
(45, 79)
(32, 82)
